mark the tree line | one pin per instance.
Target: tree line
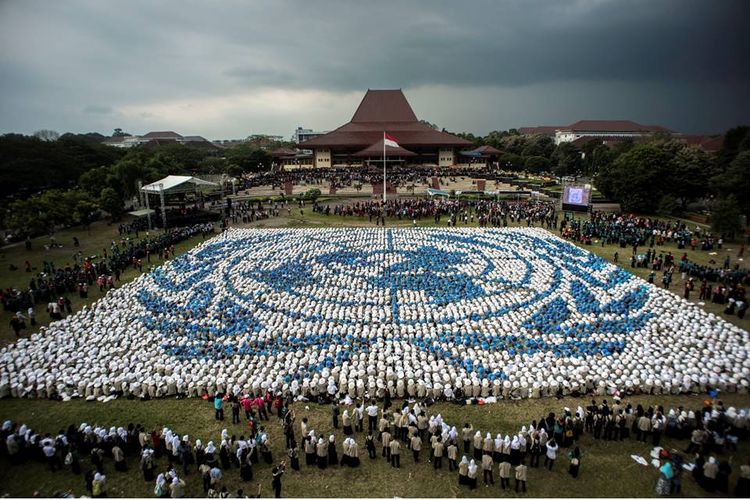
(49, 180)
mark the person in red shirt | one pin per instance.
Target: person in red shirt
(247, 405)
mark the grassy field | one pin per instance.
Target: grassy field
(607, 469)
(606, 466)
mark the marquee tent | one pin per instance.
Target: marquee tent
(176, 184)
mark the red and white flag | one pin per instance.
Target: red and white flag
(389, 140)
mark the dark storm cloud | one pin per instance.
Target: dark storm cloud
(225, 68)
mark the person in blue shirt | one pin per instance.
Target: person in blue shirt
(219, 406)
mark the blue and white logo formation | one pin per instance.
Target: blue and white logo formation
(435, 306)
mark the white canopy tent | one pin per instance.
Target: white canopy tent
(174, 184)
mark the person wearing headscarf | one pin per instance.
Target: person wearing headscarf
(310, 450)
(322, 451)
(333, 457)
(497, 448)
(147, 464)
(353, 453)
(224, 455)
(472, 474)
(515, 451)
(161, 489)
(177, 488)
(463, 471)
(506, 448)
(99, 485)
(346, 421)
(478, 443)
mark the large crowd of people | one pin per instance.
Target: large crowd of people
(52, 285)
(448, 313)
(456, 212)
(168, 460)
(352, 176)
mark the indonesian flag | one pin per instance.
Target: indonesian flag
(388, 140)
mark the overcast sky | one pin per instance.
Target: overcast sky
(227, 69)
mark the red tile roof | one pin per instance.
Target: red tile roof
(384, 106)
(614, 126)
(384, 111)
(486, 150)
(162, 135)
(706, 143)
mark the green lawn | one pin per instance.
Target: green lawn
(606, 467)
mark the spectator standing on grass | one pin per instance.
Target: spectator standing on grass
(177, 488)
(552, 447)
(575, 462)
(99, 485)
(521, 473)
(276, 474)
(219, 406)
(664, 483)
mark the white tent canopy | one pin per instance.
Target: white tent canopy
(175, 184)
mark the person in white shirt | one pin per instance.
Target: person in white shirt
(372, 416)
(552, 447)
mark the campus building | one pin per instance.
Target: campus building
(360, 142)
(595, 129)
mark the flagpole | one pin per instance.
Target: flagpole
(384, 166)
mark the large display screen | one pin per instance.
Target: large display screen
(576, 198)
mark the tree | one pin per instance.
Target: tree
(510, 161)
(690, 169)
(637, 178)
(536, 164)
(47, 135)
(539, 145)
(667, 205)
(566, 159)
(725, 216)
(312, 194)
(234, 170)
(111, 202)
(735, 180)
(94, 180)
(429, 124)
